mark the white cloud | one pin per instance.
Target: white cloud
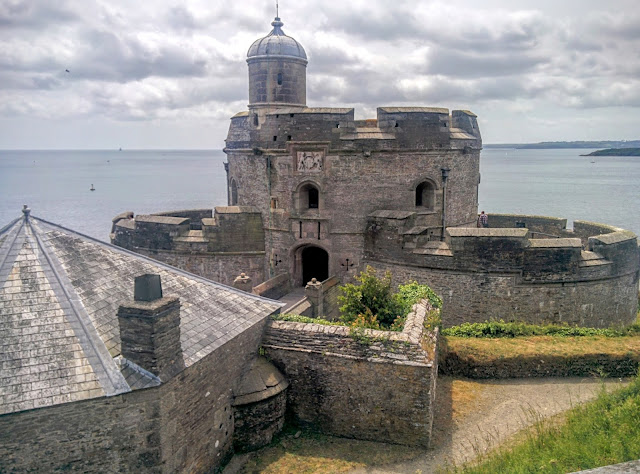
(154, 64)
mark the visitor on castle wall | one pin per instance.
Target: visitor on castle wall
(483, 220)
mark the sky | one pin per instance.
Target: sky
(168, 74)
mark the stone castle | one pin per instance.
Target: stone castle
(114, 361)
(314, 193)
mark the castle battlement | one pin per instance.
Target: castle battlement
(418, 128)
(550, 253)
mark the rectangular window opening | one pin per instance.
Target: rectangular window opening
(275, 138)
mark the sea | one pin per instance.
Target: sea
(56, 185)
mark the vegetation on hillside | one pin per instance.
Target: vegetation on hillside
(604, 432)
(616, 152)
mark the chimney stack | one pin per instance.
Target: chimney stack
(150, 329)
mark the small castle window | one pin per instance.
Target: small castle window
(425, 195)
(234, 193)
(255, 119)
(308, 197)
(279, 78)
(277, 115)
(290, 115)
(288, 138)
(337, 125)
(396, 124)
(275, 138)
(274, 203)
(313, 198)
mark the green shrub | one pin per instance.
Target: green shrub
(372, 304)
(373, 294)
(518, 329)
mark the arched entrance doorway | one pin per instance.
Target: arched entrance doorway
(315, 264)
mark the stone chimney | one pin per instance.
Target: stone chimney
(150, 329)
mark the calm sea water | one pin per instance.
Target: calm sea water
(55, 185)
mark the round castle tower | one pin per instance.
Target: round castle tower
(317, 175)
(314, 193)
(277, 71)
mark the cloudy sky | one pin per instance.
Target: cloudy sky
(170, 73)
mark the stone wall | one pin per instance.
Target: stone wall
(184, 425)
(373, 385)
(219, 248)
(503, 273)
(274, 288)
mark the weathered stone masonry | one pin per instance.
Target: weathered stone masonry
(367, 385)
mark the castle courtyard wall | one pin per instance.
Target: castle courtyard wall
(478, 297)
(373, 385)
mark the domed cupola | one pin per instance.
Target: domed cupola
(277, 70)
(277, 43)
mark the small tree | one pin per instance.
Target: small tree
(372, 297)
(372, 304)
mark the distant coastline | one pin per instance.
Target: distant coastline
(576, 144)
(615, 152)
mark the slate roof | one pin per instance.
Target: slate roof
(59, 333)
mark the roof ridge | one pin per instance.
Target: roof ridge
(111, 379)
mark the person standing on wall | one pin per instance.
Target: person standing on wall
(483, 220)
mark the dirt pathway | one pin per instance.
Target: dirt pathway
(474, 416)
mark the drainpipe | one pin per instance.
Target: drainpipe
(445, 175)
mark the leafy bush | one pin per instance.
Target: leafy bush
(372, 295)
(516, 329)
(372, 304)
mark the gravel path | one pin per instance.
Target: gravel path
(466, 426)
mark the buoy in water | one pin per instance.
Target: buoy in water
(92, 188)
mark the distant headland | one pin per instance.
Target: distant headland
(615, 152)
(577, 144)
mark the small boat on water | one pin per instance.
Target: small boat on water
(92, 188)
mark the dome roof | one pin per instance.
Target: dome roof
(277, 43)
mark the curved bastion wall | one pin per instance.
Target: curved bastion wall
(525, 268)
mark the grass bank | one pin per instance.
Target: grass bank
(503, 350)
(600, 433)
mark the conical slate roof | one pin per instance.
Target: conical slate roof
(277, 43)
(59, 296)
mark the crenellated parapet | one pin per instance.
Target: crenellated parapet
(550, 253)
(217, 244)
(228, 229)
(401, 128)
(551, 274)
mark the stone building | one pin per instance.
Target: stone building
(113, 362)
(314, 193)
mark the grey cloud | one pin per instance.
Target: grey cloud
(463, 64)
(109, 57)
(34, 14)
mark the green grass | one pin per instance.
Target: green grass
(604, 432)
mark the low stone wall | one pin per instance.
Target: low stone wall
(375, 385)
(274, 288)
